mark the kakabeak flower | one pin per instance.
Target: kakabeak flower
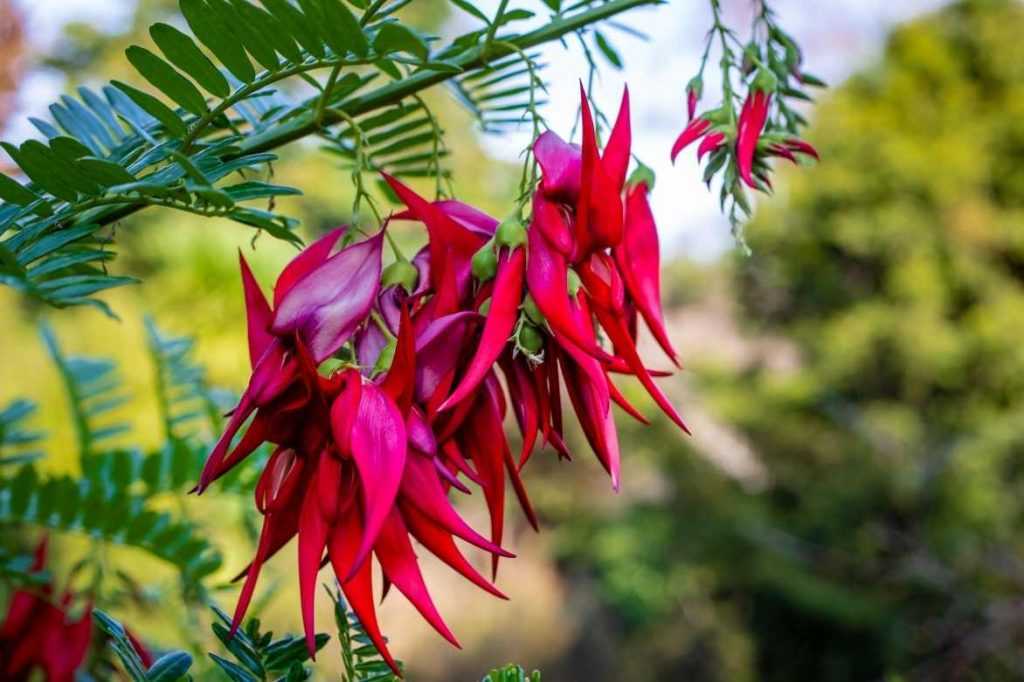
(40, 633)
(380, 398)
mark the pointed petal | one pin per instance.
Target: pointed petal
(616, 153)
(691, 133)
(257, 313)
(440, 544)
(399, 564)
(358, 589)
(379, 450)
(639, 263)
(560, 164)
(501, 319)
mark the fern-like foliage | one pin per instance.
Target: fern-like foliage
(511, 673)
(114, 500)
(360, 658)
(256, 656)
(171, 667)
(200, 142)
(184, 396)
(107, 513)
(93, 389)
(504, 94)
(17, 441)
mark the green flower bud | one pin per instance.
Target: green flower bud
(385, 358)
(401, 272)
(510, 233)
(644, 174)
(574, 283)
(529, 339)
(485, 262)
(532, 311)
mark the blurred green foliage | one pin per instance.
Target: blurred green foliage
(886, 543)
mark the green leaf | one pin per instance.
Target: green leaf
(259, 46)
(259, 190)
(342, 29)
(607, 50)
(182, 51)
(41, 169)
(214, 33)
(105, 173)
(297, 24)
(15, 192)
(269, 30)
(235, 672)
(170, 667)
(470, 8)
(121, 644)
(155, 108)
(165, 79)
(398, 38)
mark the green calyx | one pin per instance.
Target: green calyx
(511, 233)
(529, 339)
(533, 313)
(485, 262)
(643, 174)
(402, 273)
(574, 283)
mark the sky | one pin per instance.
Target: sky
(838, 37)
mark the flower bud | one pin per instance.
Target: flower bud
(574, 283)
(485, 262)
(642, 174)
(510, 233)
(529, 339)
(402, 273)
(532, 311)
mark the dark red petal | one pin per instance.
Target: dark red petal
(379, 450)
(358, 589)
(501, 319)
(691, 133)
(640, 265)
(257, 314)
(439, 542)
(398, 562)
(751, 122)
(616, 153)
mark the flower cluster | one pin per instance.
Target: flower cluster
(38, 634)
(384, 389)
(764, 84)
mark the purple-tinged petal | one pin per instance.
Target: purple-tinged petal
(327, 305)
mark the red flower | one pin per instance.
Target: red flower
(367, 454)
(38, 634)
(751, 123)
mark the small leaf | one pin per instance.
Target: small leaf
(182, 51)
(211, 31)
(165, 79)
(14, 192)
(398, 38)
(342, 29)
(155, 108)
(170, 667)
(297, 24)
(468, 7)
(607, 50)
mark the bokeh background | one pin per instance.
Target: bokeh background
(849, 507)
